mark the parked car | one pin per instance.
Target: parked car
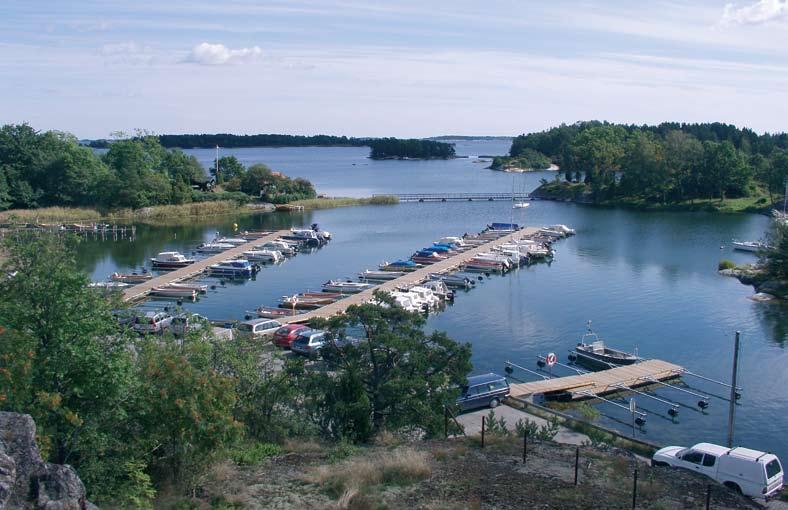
(125, 317)
(185, 322)
(284, 336)
(483, 391)
(750, 472)
(152, 322)
(256, 329)
(309, 343)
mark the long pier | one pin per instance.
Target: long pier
(141, 290)
(578, 387)
(459, 197)
(411, 278)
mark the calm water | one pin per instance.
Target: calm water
(647, 280)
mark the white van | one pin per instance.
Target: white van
(256, 329)
(749, 472)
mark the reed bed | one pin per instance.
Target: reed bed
(331, 202)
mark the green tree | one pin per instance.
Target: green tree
(644, 169)
(598, 151)
(229, 168)
(397, 376)
(777, 173)
(63, 361)
(776, 257)
(725, 170)
(683, 154)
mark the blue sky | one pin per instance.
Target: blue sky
(396, 68)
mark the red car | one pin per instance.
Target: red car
(284, 336)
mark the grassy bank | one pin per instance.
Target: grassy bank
(329, 203)
(579, 192)
(148, 214)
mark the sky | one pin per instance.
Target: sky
(404, 68)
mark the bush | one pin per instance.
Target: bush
(253, 454)
(726, 264)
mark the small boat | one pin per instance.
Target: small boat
(592, 352)
(251, 235)
(234, 268)
(453, 280)
(235, 241)
(282, 247)
(268, 312)
(520, 205)
(169, 292)
(108, 285)
(299, 301)
(399, 265)
(271, 256)
(346, 287)
(131, 278)
(503, 227)
(214, 247)
(563, 229)
(306, 236)
(426, 257)
(380, 276)
(440, 289)
(199, 287)
(170, 260)
(752, 246)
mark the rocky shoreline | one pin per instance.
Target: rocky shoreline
(766, 290)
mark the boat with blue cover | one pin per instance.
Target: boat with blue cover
(399, 265)
(235, 268)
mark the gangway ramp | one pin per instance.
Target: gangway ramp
(582, 386)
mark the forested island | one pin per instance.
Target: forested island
(413, 148)
(44, 169)
(710, 166)
(226, 140)
(525, 161)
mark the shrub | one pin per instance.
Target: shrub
(726, 264)
(253, 454)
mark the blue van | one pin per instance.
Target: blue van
(483, 391)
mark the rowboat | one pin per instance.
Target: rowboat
(346, 287)
(130, 278)
(268, 312)
(173, 293)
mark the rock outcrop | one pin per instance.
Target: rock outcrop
(26, 481)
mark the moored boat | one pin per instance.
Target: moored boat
(213, 247)
(170, 260)
(752, 246)
(380, 276)
(453, 280)
(235, 241)
(132, 278)
(271, 256)
(268, 312)
(170, 292)
(399, 265)
(346, 287)
(108, 285)
(199, 287)
(234, 268)
(592, 352)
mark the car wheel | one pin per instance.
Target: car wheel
(659, 463)
(494, 403)
(733, 486)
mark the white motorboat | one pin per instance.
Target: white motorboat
(214, 247)
(563, 229)
(236, 267)
(380, 276)
(235, 241)
(424, 296)
(170, 260)
(520, 205)
(109, 285)
(271, 256)
(346, 287)
(131, 278)
(456, 241)
(199, 287)
(752, 246)
(440, 289)
(282, 247)
(170, 292)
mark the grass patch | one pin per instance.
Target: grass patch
(726, 264)
(252, 454)
(329, 203)
(359, 474)
(147, 214)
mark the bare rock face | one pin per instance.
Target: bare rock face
(26, 481)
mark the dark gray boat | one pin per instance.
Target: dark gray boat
(592, 352)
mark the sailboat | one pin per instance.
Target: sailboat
(517, 205)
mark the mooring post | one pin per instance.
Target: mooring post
(708, 496)
(577, 461)
(525, 447)
(732, 408)
(483, 418)
(635, 489)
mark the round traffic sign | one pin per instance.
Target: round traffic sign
(552, 359)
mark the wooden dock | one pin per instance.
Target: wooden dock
(411, 278)
(141, 290)
(458, 197)
(582, 386)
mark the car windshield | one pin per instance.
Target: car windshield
(282, 331)
(245, 327)
(773, 469)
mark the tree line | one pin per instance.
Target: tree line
(260, 181)
(135, 415)
(227, 140)
(396, 148)
(670, 162)
(51, 168)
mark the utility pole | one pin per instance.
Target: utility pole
(732, 409)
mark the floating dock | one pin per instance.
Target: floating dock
(141, 290)
(578, 387)
(411, 278)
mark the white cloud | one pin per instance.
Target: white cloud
(758, 13)
(219, 54)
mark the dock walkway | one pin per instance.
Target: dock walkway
(409, 279)
(141, 290)
(458, 197)
(602, 382)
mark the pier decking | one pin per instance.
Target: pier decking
(602, 382)
(140, 291)
(458, 197)
(408, 279)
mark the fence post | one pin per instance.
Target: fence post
(445, 422)
(525, 447)
(708, 496)
(483, 419)
(635, 489)
(577, 461)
